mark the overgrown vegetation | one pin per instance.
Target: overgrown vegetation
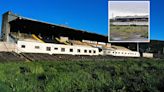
(126, 32)
(129, 75)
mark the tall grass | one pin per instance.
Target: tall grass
(126, 31)
(100, 76)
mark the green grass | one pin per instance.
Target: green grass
(104, 76)
(126, 31)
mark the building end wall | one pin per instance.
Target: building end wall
(6, 18)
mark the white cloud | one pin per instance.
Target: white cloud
(125, 8)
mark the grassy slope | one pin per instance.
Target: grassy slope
(125, 31)
(104, 76)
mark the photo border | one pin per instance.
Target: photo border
(129, 41)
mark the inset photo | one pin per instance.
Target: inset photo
(129, 21)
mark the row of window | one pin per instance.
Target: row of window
(62, 49)
(125, 53)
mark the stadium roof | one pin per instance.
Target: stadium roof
(26, 25)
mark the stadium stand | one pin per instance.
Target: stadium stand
(32, 36)
(37, 38)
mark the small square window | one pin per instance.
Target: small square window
(23, 46)
(78, 50)
(62, 49)
(90, 51)
(55, 48)
(71, 50)
(48, 48)
(85, 51)
(37, 47)
(94, 51)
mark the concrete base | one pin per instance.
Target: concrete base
(7, 47)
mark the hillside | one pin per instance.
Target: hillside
(126, 75)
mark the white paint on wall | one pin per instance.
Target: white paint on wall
(148, 55)
(130, 23)
(122, 53)
(36, 47)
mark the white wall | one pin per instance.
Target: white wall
(148, 55)
(122, 53)
(30, 48)
(130, 23)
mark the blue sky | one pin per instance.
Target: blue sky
(89, 15)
